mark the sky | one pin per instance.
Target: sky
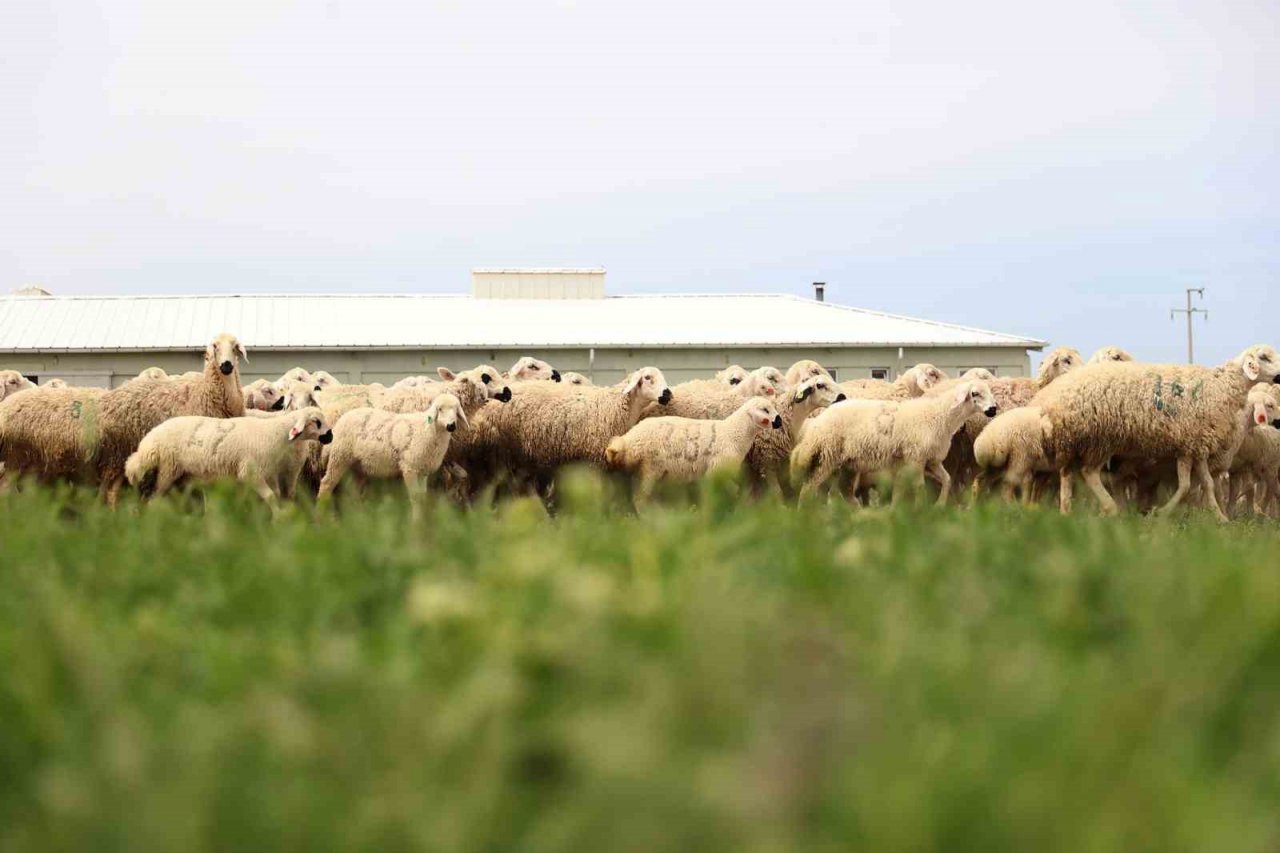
(1060, 171)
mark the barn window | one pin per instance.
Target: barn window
(879, 373)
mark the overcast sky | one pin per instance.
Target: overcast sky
(1058, 170)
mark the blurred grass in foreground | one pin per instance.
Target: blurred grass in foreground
(740, 677)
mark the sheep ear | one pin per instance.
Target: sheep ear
(297, 428)
(255, 398)
(446, 374)
(432, 411)
(633, 382)
(244, 353)
(804, 393)
(462, 416)
(962, 394)
(208, 351)
(1252, 369)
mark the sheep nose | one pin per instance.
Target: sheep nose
(990, 411)
(1276, 379)
(555, 376)
(734, 381)
(278, 405)
(840, 398)
(777, 421)
(451, 427)
(1276, 423)
(504, 396)
(226, 368)
(664, 397)
(327, 437)
(318, 388)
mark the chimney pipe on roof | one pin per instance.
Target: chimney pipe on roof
(820, 291)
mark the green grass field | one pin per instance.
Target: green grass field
(738, 677)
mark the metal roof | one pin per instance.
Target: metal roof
(417, 321)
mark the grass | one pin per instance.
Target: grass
(720, 677)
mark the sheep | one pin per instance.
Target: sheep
(912, 383)
(325, 379)
(472, 387)
(301, 395)
(1136, 410)
(685, 449)
(413, 382)
(263, 396)
(734, 374)
(1255, 470)
(129, 412)
(870, 436)
(767, 459)
(805, 368)
(336, 402)
(381, 444)
(11, 382)
(51, 433)
(573, 378)
(151, 373)
(1013, 442)
(267, 453)
(1109, 353)
(771, 377)
(547, 425)
(530, 369)
(1010, 393)
(56, 382)
(978, 373)
(707, 399)
(292, 375)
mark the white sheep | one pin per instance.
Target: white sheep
(913, 382)
(805, 368)
(1013, 443)
(530, 369)
(684, 449)
(267, 453)
(573, 378)
(325, 379)
(381, 444)
(1148, 411)
(767, 460)
(872, 436)
(978, 373)
(56, 382)
(708, 399)
(262, 395)
(292, 375)
(11, 382)
(1255, 470)
(153, 373)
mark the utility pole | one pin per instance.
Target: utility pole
(1190, 312)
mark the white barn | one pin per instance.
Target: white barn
(560, 315)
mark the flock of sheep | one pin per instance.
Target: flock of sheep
(1126, 428)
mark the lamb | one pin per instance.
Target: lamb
(56, 382)
(292, 375)
(1152, 411)
(1255, 470)
(978, 373)
(263, 396)
(129, 412)
(1109, 353)
(547, 425)
(301, 395)
(805, 368)
(734, 374)
(573, 378)
(707, 399)
(771, 377)
(769, 454)
(870, 436)
(336, 402)
(685, 449)
(11, 382)
(1013, 442)
(267, 453)
(51, 433)
(472, 387)
(382, 444)
(912, 383)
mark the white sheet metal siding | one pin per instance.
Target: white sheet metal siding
(141, 323)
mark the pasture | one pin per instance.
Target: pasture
(724, 675)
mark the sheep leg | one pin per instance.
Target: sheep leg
(268, 494)
(851, 494)
(913, 474)
(1184, 486)
(1092, 476)
(166, 476)
(644, 488)
(817, 477)
(416, 486)
(1065, 484)
(333, 474)
(1209, 487)
(939, 472)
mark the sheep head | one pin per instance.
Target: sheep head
(324, 380)
(763, 413)
(924, 375)
(769, 381)
(805, 368)
(264, 396)
(301, 395)
(310, 425)
(975, 395)
(978, 373)
(1266, 409)
(572, 378)
(734, 374)
(528, 369)
(445, 412)
(649, 385)
(224, 353)
(819, 390)
(1260, 364)
(1109, 354)
(1056, 363)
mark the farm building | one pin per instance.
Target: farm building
(562, 316)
